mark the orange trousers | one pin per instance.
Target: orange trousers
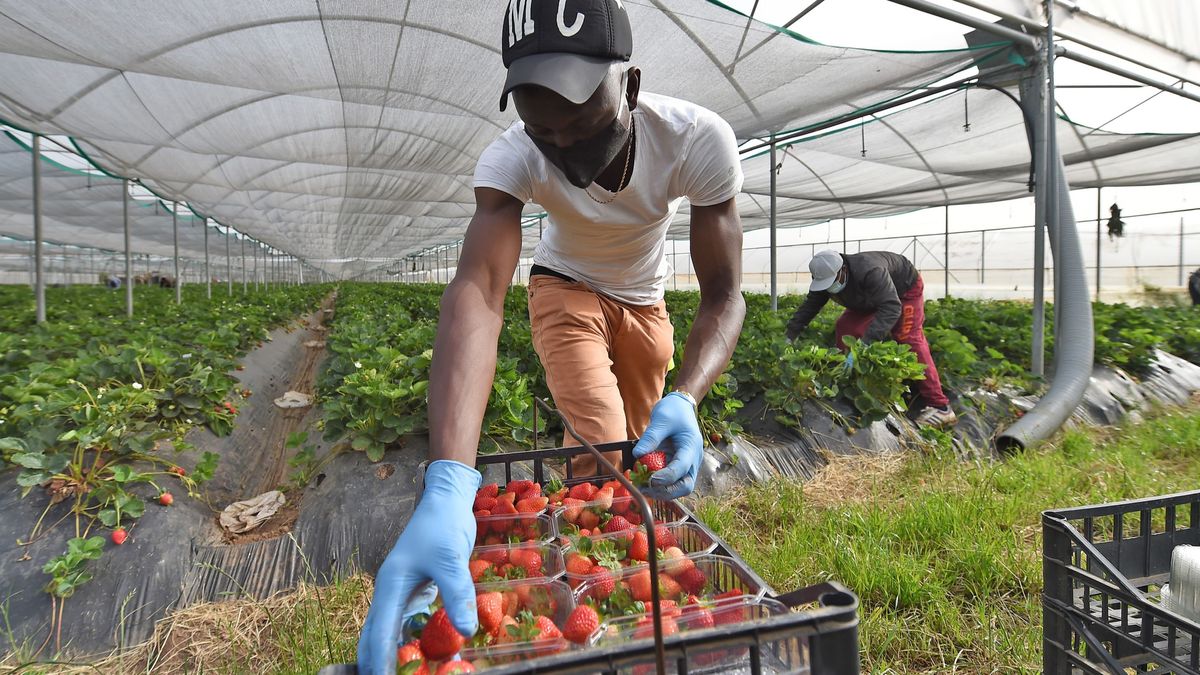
(605, 361)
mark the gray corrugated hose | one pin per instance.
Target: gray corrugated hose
(1074, 345)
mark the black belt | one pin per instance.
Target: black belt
(546, 271)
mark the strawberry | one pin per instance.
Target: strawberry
(578, 565)
(699, 617)
(450, 667)
(489, 490)
(529, 559)
(604, 497)
(166, 499)
(583, 491)
(664, 538)
(482, 526)
(715, 438)
(507, 631)
(692, 580)
(546, 629)
(581, 624)
(511, 603)
(639, 586)
(731, 614)
(510, 497)
(589, 519)
(639, 549)
(478, 567)
(409, 652)
(675, 561)
(504, 508)
(119, 535)
(645, 627)
(414, 668)
(484, 504)
(668, 587)
(177, 470)
(522, 488)
(654, 461)
(573, 508)
(617, 524)
(440, 639)
(532, 505)
(634, 517)
(491, 610)
(603, 583)
(669, 608)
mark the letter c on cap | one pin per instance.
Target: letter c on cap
(563, 28)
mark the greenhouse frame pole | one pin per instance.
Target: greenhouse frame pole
(946, 254)
(1180, 250)
(228, 264)
(207, 275)
(1043, 200)
(128, 256)
(774, 287)
(1099, 216)
(39, 280)
(243, 245)
(175, 246)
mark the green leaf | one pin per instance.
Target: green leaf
(108, 517)
(28, 460)
(361, 443)
(11, 444)
(29, 478)
(375, 452)
(122, 473)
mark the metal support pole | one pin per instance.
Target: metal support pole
(1043, 196)
(39, 280)
(128, 256)
(1181, 250)
(207, 274)
(843, 234)
(982, 257)
(1099, 218)
(243, 245)
(175, 245)
(228, 264)
(946, 254)
(774, 287)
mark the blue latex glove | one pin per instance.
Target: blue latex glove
(435, 546)
(849, 365)
(673, 419)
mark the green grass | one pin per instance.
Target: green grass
(945, 556)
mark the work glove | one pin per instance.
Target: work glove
(849, 364)
(434, 547)
(675, 429)
(794, 331)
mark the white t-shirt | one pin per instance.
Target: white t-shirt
(619, 248)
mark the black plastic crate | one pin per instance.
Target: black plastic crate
(1103, 567)
(821, 639)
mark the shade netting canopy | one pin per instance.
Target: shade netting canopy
(345, 132)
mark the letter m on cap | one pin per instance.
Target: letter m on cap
(520, 20)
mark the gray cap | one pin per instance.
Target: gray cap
(824, 266)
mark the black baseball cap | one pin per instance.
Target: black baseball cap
(565, 46)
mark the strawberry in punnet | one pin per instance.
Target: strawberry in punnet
(528, 559)
(664, 538)
(409, 652)
(556, 492)
(166, 499)
(119, 535)
(546, 630)
(504, 508)
(489, 490)
(617, 524)
(692, 580)
(645, 627)
(484, 503)
(604, 498)
(451, 667)
(414, 668)
(589, 519)
(583, 491)
(603, 583)
(573, 508)
(581, 624)
(440, 639)
(578, 565)
(675, 561)
(533, 505)
(491, 610)
(509, 497)
(698, 617)
(668, 587)
(508, 630)
(639, 549)
(639, 586)
(478, 567)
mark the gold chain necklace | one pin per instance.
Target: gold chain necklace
(624, 173)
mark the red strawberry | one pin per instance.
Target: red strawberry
(546, 629)
(414, 668)
(119, 535)
(511, 603)
(583, 491)
(557, 498)
(484, 504)
(604, 496)
(482, 526)
(633, 517)
(699, 617)
(639, 586)
(669, 608)
(503, 634)
(450, 667)
(489, 490)
(578, 565)
(664, 538)
(529, 559)
(573, 508)
(668, 587)
(617, 524)
(532, 504)
(510, 497)
(654, 460)
(675, 562)
(603, 583)
(589, 519)
(645, 627)
(504, 508)
(520, 487)
(692, 580)
(166, 499)
(177, 470)
(478, 567)
(440, 639)
(491, 610)
(409, 652)
(581, 624)
(640, 548)
(715, 438)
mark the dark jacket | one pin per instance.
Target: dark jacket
(875, 282)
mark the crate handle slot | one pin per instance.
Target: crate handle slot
(827, 593)
(647, 522)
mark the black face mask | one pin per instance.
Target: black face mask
(583, 161)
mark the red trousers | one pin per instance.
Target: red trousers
(909, 330)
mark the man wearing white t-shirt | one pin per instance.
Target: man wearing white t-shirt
(610, 166)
